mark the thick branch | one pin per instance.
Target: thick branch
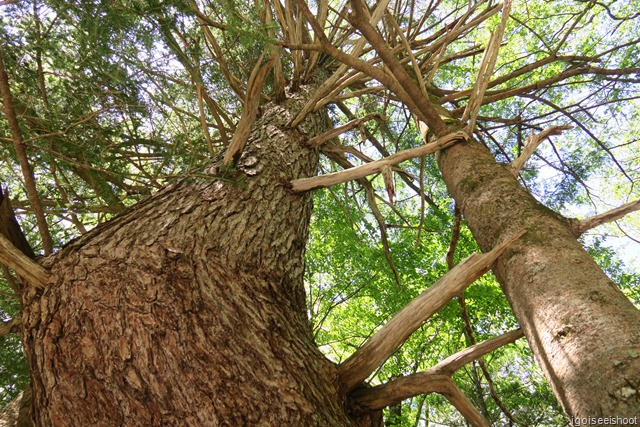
(392, 335)
(306, 184)
(532, 142)
(24, 266)
(464, 406)
(458, 360)
(580, 226)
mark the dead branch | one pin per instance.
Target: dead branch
(532, 143)
(580, 226)
(249, 110)
(24, 266)
(383, 230)
(327, 180)
(318, 140)
(340, 159)
(391, 336)
(485, 70)
(9, 327)
(360, 20)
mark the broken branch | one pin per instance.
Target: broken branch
(485, 70)
(532, 143)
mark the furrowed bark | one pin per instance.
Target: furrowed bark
(189, 308)
(583, 330)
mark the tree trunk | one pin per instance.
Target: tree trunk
(583, 330)
(189, 308)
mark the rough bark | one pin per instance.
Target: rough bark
(189, 308)
(583, 330)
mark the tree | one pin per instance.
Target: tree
(189, 306)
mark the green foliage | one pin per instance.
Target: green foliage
(14, 375)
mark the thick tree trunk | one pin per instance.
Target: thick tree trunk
(584, 332)
(189, 308)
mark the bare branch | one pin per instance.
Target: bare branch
(464, 406)
(249, 110)
(327, 180)
(391, 336)
(9, 327)
(435, 380)
(383, 230)
(360, 20)
(318, 140)
(401, 388)
(580, 226)
(485, 71)
(532, 142)
(458, 360)
(24, 266)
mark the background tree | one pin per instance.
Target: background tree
(107, 102)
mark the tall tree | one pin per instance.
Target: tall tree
(189, 306)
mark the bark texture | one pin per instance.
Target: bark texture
(189, 308)
(583, 330)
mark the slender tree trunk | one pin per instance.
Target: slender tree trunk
(189, 308)
(583, 330)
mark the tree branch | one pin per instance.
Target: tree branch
(24, 266)
(580, 226)
(435, 380)
(318, 140)
(8, 327)
(360, 20)
(464, 405)
(327, 180)
(458, 360)
(392, 335)
(485, 71)
(18, 144)
(249, 110)
(330, 49)
(532, 142)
